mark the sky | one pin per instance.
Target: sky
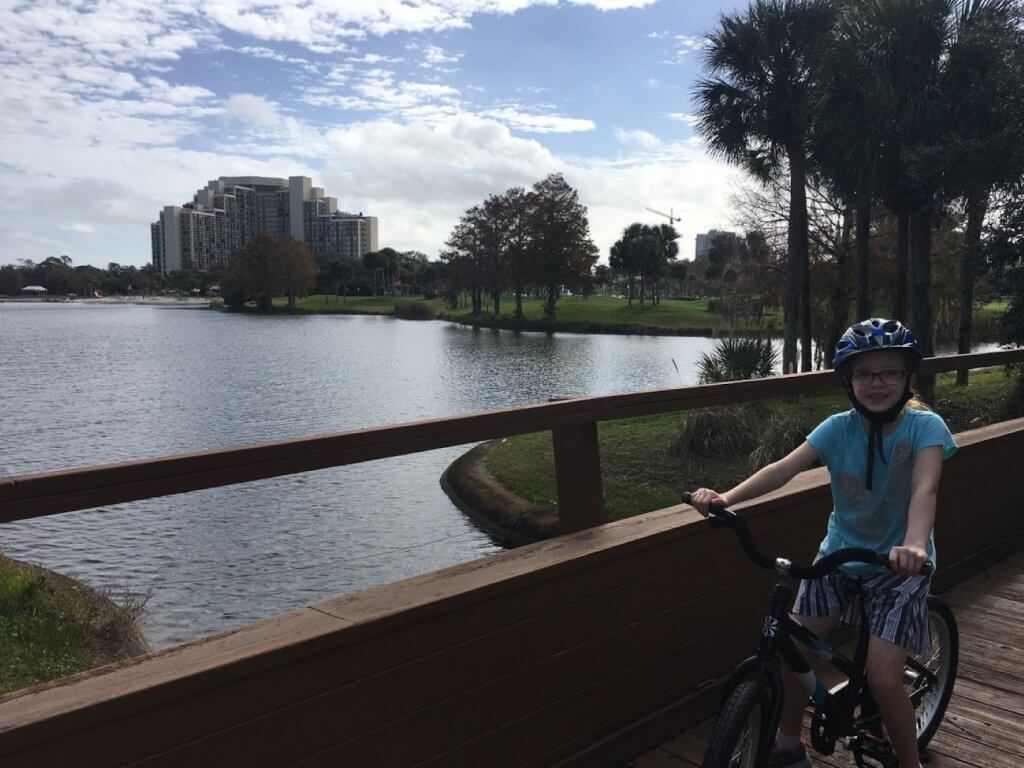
(408, 110)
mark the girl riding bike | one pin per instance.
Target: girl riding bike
(884, 461)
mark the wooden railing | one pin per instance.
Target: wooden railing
(585, 650)
(572, 422)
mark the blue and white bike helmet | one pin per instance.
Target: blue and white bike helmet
(874, 335)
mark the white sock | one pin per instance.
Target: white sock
(786, 743)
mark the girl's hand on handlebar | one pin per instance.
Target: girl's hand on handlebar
(703, 498)
(907, 561)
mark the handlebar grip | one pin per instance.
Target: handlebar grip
(926, 570)
(716, 510)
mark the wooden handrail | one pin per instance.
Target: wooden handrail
(28, 496)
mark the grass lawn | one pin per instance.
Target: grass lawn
(51, 627)
(640, 473)
(575, 311)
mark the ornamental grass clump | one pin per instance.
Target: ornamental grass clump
(720, 431)
(781, 434)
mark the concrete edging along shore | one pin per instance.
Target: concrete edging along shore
(509, 519)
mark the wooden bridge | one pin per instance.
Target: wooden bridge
(589, 649)
(982, 727)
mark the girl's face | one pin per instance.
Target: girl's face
(879, 378)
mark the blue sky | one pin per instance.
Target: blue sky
(409, 110)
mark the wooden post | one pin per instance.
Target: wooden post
(578, 474)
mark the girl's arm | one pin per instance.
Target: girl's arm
(924, 487)
(761, 482)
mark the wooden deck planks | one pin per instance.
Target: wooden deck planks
(982, 727)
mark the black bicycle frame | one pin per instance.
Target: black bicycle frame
(780, 634)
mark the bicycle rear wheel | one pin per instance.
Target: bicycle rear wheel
(941, 661)
(740, 730)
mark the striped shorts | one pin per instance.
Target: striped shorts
(897, 606)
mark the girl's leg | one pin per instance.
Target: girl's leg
(885, 676)
(795, 695)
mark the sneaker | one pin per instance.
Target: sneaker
(795, 758)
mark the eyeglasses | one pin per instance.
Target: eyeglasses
(888, 377)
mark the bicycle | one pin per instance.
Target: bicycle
(744, 731)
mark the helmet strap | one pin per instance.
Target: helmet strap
(877, 422)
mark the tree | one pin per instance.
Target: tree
(517, 215)
(1003, 254)
(560, 248)
(756, 111)
(295, 270)
(11, 281)
(631, 253)
(883, 116)
(375, 264)
(983, 80)
(679, 271)
(666, 252)
(463, 253)
(269, 266)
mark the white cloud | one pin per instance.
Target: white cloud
(418, 179)
(532, 122)
(80, 227)
(435, 57)
(690, 120)
(690, 43)
(252, 109)
(637, 138)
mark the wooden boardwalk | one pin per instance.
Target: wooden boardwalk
(984, 725)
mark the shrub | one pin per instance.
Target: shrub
(713, 432)
(738, 358)
(413, 310)
(778, 437)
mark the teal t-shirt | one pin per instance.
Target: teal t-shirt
(877, 518)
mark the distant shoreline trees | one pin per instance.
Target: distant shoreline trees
(535, 241)
(267, 267)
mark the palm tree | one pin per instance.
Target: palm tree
(755, 110)
(983, 81)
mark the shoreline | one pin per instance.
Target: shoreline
(100, 649)
(545, 326)
(510, 520)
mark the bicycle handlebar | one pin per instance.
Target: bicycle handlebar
(722, 517)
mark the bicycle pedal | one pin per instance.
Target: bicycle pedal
(821, 740)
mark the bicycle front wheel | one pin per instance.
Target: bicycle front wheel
(740, 730)
(941, 661)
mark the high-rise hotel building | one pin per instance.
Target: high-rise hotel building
(228, 213)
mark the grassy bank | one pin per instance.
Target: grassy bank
(52, 626)
(642, 468)
(598, 314)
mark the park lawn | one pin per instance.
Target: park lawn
(575, 312)
(571, 310)
(353, 305)
(639, 473)
(51, 627)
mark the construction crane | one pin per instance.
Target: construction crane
(672, 219)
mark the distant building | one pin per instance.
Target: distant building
(703, 248)
(228, 213)
(34, 290)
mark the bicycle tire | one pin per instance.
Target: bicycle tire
(943, 660)
(738, 739)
